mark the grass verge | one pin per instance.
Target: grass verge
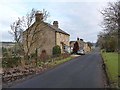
(111, 62)
(57, 62)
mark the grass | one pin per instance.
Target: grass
(54, 63)
(111, 61)
(64, 60)
(57, 62)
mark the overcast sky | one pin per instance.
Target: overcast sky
(79, 18)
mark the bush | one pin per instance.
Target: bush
(56, 50)
(33, 56)
(103, 50)
(11, 61)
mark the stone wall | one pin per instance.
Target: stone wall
(86, 48)
(60, 37)
(44, 39)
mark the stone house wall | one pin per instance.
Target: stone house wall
(62, 38)
(45, 39)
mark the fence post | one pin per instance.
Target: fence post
(36, 56)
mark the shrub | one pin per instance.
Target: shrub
(56, 50)
(103, 50)
(32, 56)
(11, 61)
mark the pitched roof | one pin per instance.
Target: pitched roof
(51, 26)
(72, 42)
(57, 29)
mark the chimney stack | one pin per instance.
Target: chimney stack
(78, 39)
(38, 16)
(55, 24)
(81, 39)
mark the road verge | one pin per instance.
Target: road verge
(49, 66)
(110, 66)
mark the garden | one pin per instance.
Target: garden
(15, 67)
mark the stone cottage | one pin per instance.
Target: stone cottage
(86, 48)
(82, 45)
(44, 36)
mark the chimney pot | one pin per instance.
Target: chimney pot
(55, 23)
(38, 16)
(81, 39)
(78, 39)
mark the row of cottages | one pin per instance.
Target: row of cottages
(46, 36)
(82, 45)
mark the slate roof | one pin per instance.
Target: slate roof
(57, 29)
(72, 42)
(51, 26)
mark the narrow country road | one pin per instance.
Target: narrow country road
(82, 72)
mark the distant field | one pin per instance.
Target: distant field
(111, 61)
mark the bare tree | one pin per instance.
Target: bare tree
(111, 24)
(111, 18)
(16, 32)
(30, 34)
(22, 33)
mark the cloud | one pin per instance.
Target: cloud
(10, 12)
(6, 19)
(67, 0)
(80, 18)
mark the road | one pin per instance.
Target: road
(82, 72)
